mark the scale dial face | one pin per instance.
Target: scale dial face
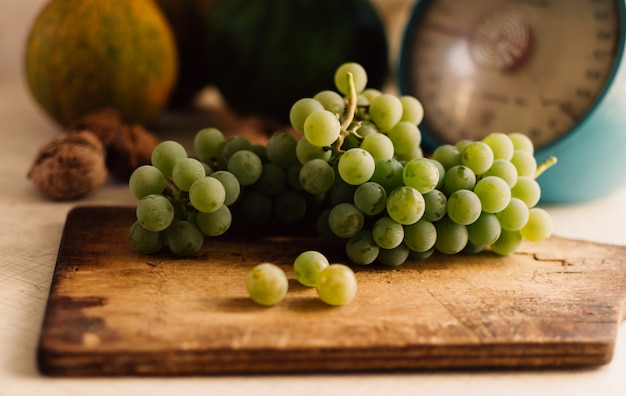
(532, 66)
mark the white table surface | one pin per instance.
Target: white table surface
(30, 231)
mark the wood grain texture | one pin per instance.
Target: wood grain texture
(112, 311)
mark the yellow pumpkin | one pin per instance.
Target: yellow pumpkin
(83, 55)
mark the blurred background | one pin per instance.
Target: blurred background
(16, 16)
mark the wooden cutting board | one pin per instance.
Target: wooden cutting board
(112, 311)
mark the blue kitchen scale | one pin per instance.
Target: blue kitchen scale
(553, 69)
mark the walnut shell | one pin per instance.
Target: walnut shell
(70, 166)
(127, 146)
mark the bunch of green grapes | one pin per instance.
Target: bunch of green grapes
(388, 203)
(182, 199)
(185, 198)
(352, 166)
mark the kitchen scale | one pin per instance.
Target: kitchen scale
(553, 69)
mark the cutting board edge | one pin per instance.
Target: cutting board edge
(417, 359)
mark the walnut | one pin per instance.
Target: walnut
(128, 146)
(70, 166)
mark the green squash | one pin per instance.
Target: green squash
(266, 54)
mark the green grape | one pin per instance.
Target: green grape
(349, 142)
(359, 77)
(308, 265)
(232, 188)
(293, 177)
(461, 144)
(514, 216)
(463, 207)
(323, 229)
(331, 101)
(341, 192)
(317, 176)
(281, 149)
(209, 143)
(420, 236)
(361, 248)
(306, 151)
(273, 179)
(459, 177)
(184, 238)
(507, 243)
(494, 194)
(207, 194)
(413, 255)
(406, 139)
(379, 146)
(485, 230)
(447, 155)
(477, 156)
(370, 198)
(300, 110)
(451, 237)
(336, 284)
(387, 233)
(394, 257)
(525, 163)
(256, 207)
(362, 106)
(267, 284)
(388, 173)
(234, 144)
(290, 207)
(421, 174)
(246, 166)
(316, 200)
(500, 144)
(367, 128)
(322, 128)
(215, 223)
(441, 170)
(345, 220)
(528, 190)
(405, 205)
(538, 227)
(522, 142)
(261, 152)
(386, 111)
(146, 241)
(146, 180)
(166, 154)
(412, 109)
(186, 172)
(503, 169)
(435, 205)
(370, 93)
(207, 169)
(155, 212)
(470, 248)
(356, 166)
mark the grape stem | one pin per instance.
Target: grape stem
(352, 101)
(174, 193)
(547, 164)
(171, 189)
(352, 105)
